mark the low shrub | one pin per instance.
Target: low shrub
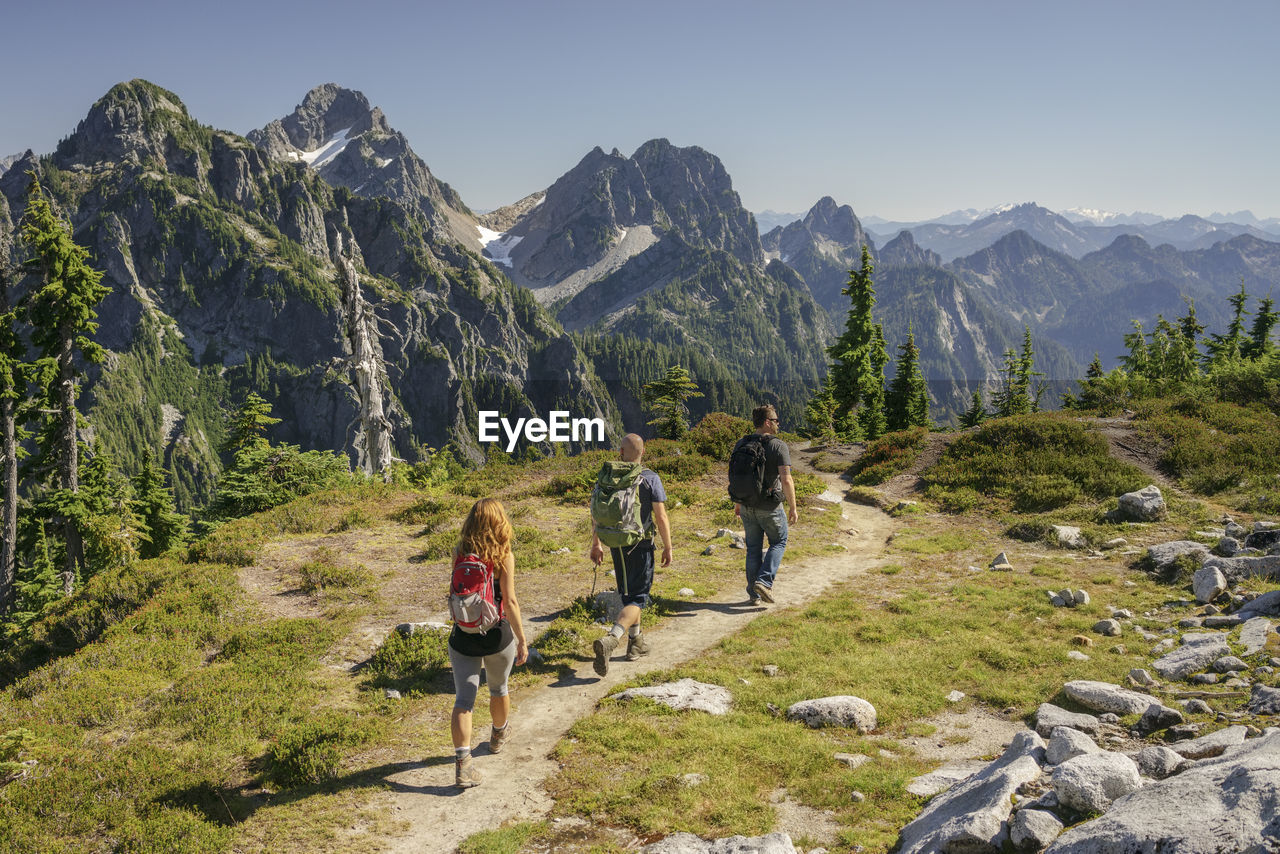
(716, 434)
(892, 453)
(1040, 492)
(311, 752)
(413, 658)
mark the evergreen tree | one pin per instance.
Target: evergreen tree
(13, 389)
(1015, 397)
(871, 416)
(1137, 360)
(849, 367)
(161, 528)
(666, 399)
(62, 311)
(1191, 327)
(1229, 347)
(249, 424)
(104, 514)
(907, 404)
(1264, 320)
(820, 413)
(976, 413)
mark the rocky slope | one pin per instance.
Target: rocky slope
(224, 265)
(822, 248)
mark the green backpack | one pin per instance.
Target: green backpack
(615, 505)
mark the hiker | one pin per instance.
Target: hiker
(759, 479)
(495, 641)
(627, 505)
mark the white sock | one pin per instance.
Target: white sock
(617, 630)
(462, 752)
(502, 728)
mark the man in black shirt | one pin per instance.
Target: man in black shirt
(765, 517)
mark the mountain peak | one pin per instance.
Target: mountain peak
(132, 121)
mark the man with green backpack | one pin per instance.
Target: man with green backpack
(628, 504)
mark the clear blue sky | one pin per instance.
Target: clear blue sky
(901, 109)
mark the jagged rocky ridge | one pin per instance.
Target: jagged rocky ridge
(224, 266)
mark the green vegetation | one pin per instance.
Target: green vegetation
(891, 454)
(667, 398)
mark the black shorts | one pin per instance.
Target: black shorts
(633, 570)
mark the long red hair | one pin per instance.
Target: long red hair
(486, 532)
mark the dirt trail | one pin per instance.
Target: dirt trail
(424, 796)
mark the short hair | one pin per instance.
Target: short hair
(761, 414)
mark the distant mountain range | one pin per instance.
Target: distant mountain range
(226, 258)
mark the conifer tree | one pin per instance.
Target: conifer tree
(849, 368)
(1191, 326)
(1015, 396)
(1229, 347)
(13, 389)
(249, 424)
(161, 527)
(666, 398)
(820, 412)
(61, 309)
(907, 403)
(1264, 320)
(976, 413)
(871, 417)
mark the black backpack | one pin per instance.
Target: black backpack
(746, 472)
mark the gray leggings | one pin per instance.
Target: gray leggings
(466, 674)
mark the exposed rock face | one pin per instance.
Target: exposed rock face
(1208, 583)
(823, 247)
(843, 711)
(973, 815)
(1090, 782)
(903, 251)
(686, 694)
(1231, 803)
(1049, 717)
(1145, 505)
(1104, 697)
(1190, 657)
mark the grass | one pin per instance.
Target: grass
(892, 453)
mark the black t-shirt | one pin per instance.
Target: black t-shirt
(776, 455)
(492, 641)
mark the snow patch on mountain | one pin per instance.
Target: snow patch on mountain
(332, 147)
(497, 246)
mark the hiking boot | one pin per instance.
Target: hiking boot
(636, 647)
(764, 592)
(467, 775)
(604, 648)
(498, 737)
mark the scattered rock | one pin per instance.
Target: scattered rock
(1229, 663)
(1049, 717)
(1066, 743)
(1105, 697)
(1158, 761)
(392, 694)
(1253, 634)
(852, 760)
(1190, 657)
(1213, 744)
(1264, 701)
(685, 592)
(1001, 563)
(844, 711)
(1222, 621)
(685, 694)
(1196, 706)
(1141, 678)
(1227, 547)
(561, 551)
(1033, 830)
(1157, 717)
(973, 815)
(1208, 583)
(1092, 781)
(1069, 537)
(1055, 600)
(1115, 543)
(1145, 505)
(857, 797)
(1110, 628)
(1205, 679)
(769, 669)
(1080, 597)
(694, 779)
(1183, 732)
(687, 843)
(1082, 640)
(708, 551)
(1223, 804)
(1077, 655)
(955, 696)
(1163, 555)
(945, 777)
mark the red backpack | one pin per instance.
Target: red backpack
(472, 601)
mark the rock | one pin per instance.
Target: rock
(694, 779)
(1205, 679)
(1163, 555)
(1266, 605)
(1145, 505)
(955, 696)
(1239, 568)
(1069, 537)
(1157, 717)
(1158, 761)
(561, 551)
(610, 602)
(392, 694)
(1001, 563)
(708, 551)
(685, 593)
(1213, 744)
(1121, 614)
(1033, 830)
(1228, 664)
(945, 777)
(973, 814)
(1049, 717)
(1082, 640)
(1077, 655)
(1141, 678)
(1109, 718)
(1253, 634)
(1196, 706)
(1227, 547)
(769, 669)
(1066, 743)
(1080, 597)
(1189, 658)
(843, 711)
(1219, 805)
(685, 694)
(1264, 701)
(1105, 697)
(1183, 732)
(852, 760)
(1110, 628)
(1115, 543)
(1262, 540)
(1092, 781)
(687, 843)
(1055, 600)
(1208, 583)
(1222, 621)
(856, 797)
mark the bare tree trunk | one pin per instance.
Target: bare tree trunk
(9, 523)
(373, 444)
(69, 471)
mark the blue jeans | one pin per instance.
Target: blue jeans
(757, 522)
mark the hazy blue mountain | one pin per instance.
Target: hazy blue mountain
(822, 248)
(768, 220)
